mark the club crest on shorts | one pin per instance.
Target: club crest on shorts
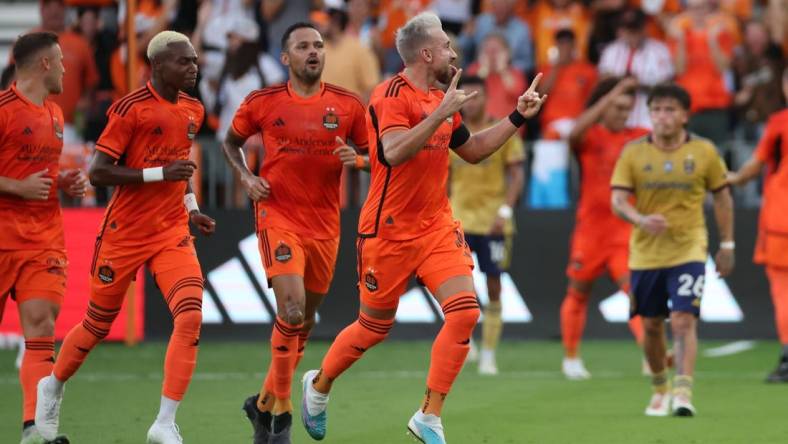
(330, 119)
(282, 252)
(191, 129)
(370, 281)
(106, 274)
(689, 165)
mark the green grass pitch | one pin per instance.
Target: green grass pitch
(115, 397)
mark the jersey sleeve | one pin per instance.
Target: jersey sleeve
(769, 142)
(716, 172)
(622, 178)
(117, 134)
(246, 121)
(392, 114)
(358, 132)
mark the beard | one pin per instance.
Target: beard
(308, 75)
(445, 75)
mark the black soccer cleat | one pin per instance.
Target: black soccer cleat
(780, 374)
(280, 433)
(261, 421)
(63, 439)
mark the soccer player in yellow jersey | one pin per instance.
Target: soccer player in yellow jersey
(668, 173)
(482, 197)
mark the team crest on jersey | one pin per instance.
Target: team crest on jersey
(106, 274)
(668, 167)
(370, 281)
(191, 130)
(689, 165)
(283, 252)
(58, 128)
(330, 119)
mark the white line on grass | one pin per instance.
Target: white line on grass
(729, 349)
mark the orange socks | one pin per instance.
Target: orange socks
(352, 342)
(451, 346)
(284, 349)
(184, 298)
(574, 310)
(268, 385)
(84, 336)
(37, 363)
(303, 337)
(778, 281)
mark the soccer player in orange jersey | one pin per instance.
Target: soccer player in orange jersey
(772, 246)
(32, 249)
(143, 152)
(304, 124)
(406, 227)
(600, 243)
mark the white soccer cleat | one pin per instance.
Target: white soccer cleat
(473, 353)
(487, 365)
(426, 428)
(574, 369)
(30, 435)
(659, 405)
(48, 408)
(160, 433)
(682, 406)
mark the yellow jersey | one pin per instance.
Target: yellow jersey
(673, 184)
(477, 191)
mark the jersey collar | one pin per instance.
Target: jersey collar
(310, 99)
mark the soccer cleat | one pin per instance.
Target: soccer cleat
(261, 421)
(682, 406)
(311, 400)
(574, 369)
(30, 435)
(487, 366)
(427, 429)
(47, 409)
(780, 374)
(282, 436)
(160, 433)
(659, 405)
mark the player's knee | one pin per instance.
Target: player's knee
(652, 328)
(39, 323)
(681, 323)
(292, 312)
(188, 321)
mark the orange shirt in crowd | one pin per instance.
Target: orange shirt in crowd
(570, 92)
(395, 14)
(500, 99)
(544, 21)
(408, 200)
(597, 155)
(31, 140)
(117, 72)
(299, 136)
(773, 151)
(81, 72)
(147, 131)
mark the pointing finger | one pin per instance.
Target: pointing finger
(455, 80)
(534, 83)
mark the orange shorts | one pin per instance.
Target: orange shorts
(591, 256)
(115, 266)
(284, 252)
(771, 248)
(32, 274)
(386, 266)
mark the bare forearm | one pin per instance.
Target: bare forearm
(723, 213)
(748, 171)
(680, 59)
(623, 208)
(400, 147)
(586, 120)
(721, 60)
(8, 185)
(112, 175)
(483, 144)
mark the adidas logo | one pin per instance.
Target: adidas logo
(27, 131)
(279, 122)
(158, 131)
(389, 220)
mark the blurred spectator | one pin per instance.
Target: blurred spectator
(120, 59)
(702, 49)
(757, 66)
(636, 55)
(454, 14)
(359, 22)
(349, 63)
(503, 20)
(245, 69)
(504, 83)
(392, 14)
(568, 81)
(279, 14)
(215, 19)
(550, 16)
(152, 15)
(81, 75)
(606, 16)
(777, 21)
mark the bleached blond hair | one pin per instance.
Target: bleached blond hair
(160, 41)
(412, 36)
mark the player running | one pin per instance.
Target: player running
(668, 173)
(406, 227)
(304, 125)
(143, 152)
(772, 244)
(482, 197)
(600, 240)
(32, 247)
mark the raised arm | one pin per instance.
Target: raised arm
(592, 115)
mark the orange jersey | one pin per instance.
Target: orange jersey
(597, 156)
(573, 85)
(299, 136)
(31, 139)
(81, 72)
(411, 199)
(144, 131)
(773, 151)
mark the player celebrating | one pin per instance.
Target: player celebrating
(482, 197)
(406, 226)
(304, 125)
(669, 173)
(143, 153)
(773, 231)
(600, 240)
(32, 250)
